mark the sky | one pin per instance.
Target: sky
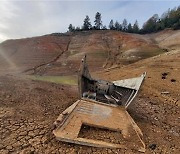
(28, 18)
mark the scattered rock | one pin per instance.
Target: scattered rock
(156, 118)
(165, 92)
(164, 75)
(153, 103)
(109, 151)
(9, 147)
(1, 146)
(28, 151)
(4, 151)
(173, 80)
(23, 133)
(31, 133)
(152, 146)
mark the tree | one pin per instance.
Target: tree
(71, 28)
(78, 29)
(150, 25)
(111, 25)
(104, 27)
(124, 25)
(98, 21)
(87, 24)
(120, 27)
(170, 19)
(117, 26)
(174, 17)
(159, 25)
(129, 29)
(136, 27)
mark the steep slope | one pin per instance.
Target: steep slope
(167, 39)
(163, 70)
(31, 52)
(157, 108)
(61, 53)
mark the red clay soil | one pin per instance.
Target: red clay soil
(51, 54)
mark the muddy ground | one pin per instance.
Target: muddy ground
(29, 108)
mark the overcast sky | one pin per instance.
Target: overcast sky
(19, 19)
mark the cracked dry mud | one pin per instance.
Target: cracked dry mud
(29, 108)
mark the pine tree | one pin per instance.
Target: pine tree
(111, 25)
(98, 21)
(136, 27)
(71, 28)
(124, 25)
(129, 29)
(104, 27)
(159, 25)
(117, 25)
(87, 24)
(120, 27)
(150, 25)
(78, 29)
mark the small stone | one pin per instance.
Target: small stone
(9, 147)
(44, 140)
(165, 92)
(109, 151)
(36, 132)
(4, 151)
(27, 138)
(153, 103)
(25, 145)
(1, 146)
(23, 133)
(152, 146)
(31, 133)
(42, 132)
(173, 80)
(16, 144)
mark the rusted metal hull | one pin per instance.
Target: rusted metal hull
(120, 92)
(102, 104)
(100, 115)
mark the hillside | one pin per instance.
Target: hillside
(53, 54)
(157, 109)
(29, 107)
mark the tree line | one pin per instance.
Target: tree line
(169, 19)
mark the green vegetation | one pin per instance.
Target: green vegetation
(150, 52)
(98, 21)
(68, 80)
(87, 24)
(98, 54)
(169, 19)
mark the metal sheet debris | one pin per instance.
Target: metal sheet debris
(102, 104)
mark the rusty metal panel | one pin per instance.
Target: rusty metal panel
(133, 83)
(120, 92)
(102, 104)
(98, 115)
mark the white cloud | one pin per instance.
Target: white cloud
(31, 18)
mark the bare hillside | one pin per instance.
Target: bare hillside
(53, 54)
(29, 107)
